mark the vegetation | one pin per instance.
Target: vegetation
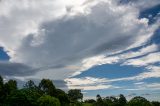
(46, 94)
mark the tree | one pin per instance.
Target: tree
(10, 86)
(63, 97)
(139, 101)
(75, 95)
(122, 100)
(47, 87)
(30, 84)
(1, 90)
(17, 98)
(90, 101)
(47, 100)
(155, 103)
(99, 101)
(32, 95)
(111, 101)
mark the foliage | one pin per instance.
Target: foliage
(62, 96)
(90, 101)
(10, 86)
(47, 87)
(155, 103)
(47, 100)
(139, 101)
(122, 100)
(30, 84)
(1, 90)
(17, 98)
(75, 95)
(99, 102)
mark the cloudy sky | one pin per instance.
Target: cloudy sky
(104, 47)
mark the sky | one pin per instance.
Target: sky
(106, 47)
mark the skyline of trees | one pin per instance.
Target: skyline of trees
(46, 94)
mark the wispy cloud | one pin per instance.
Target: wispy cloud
(145, 60)
(89, 83)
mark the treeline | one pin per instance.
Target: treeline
(46, 94)
(120, 101)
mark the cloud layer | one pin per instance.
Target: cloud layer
(59, 39)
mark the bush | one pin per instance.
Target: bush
(47, 100)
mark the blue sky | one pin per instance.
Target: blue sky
(102, 47)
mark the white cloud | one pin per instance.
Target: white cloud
(89, 83)
(143, 4)
(141, 52)
(91, 87)
(153, 72)
(138, 83)
(145, 60)
(102, 59)
(84, 81)
(145, 86)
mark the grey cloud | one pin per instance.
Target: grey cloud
(15, 69)
(70, 39)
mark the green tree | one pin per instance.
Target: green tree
(32, 95)
(17, 98)
(63, 97)
(111, 101)
(139, 101)
(10, 86)
(2, 95)
(99, 101)
(47, 100)
(75, 95)
(23, 97)
(47, 87)
(122, 100)
(92, 101)
(155, 103)
(30, 84)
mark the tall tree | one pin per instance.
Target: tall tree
(10, 86)
(1, 90)
(75, 94)
(47, 87)
(122, 100)
(30, 84)
(99, 101)
(63, 97)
